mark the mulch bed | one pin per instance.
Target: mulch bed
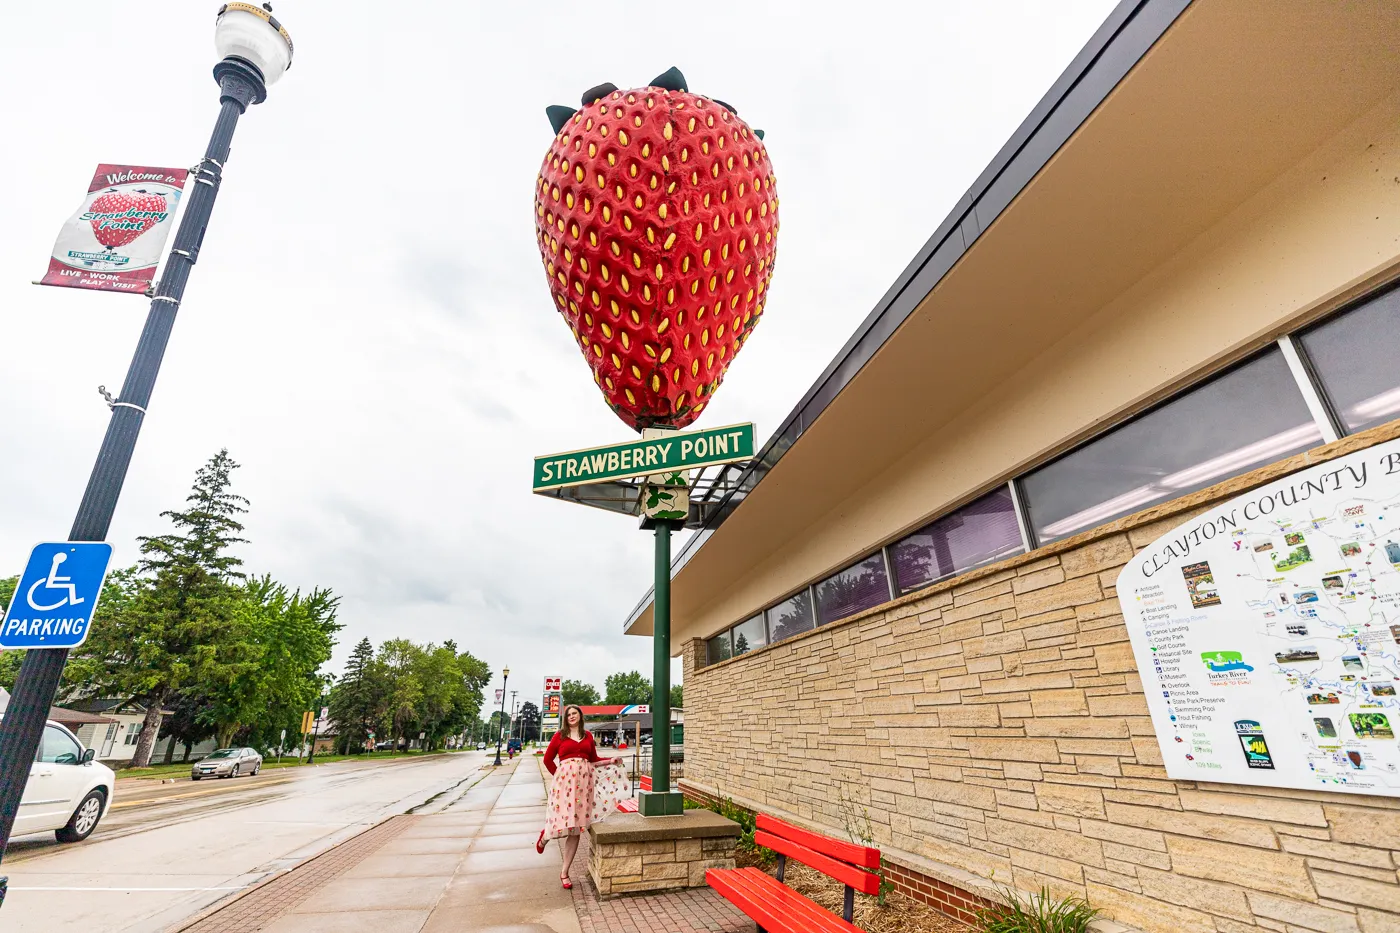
(900, 914)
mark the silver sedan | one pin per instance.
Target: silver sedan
(227, 763)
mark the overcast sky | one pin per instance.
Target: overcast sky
(368, 330)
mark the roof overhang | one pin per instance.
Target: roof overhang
(1169, 119)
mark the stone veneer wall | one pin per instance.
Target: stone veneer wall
(994, 727)
(662, 865)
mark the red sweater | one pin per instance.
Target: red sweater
(561, 747)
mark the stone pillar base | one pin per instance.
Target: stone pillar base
(634, 854)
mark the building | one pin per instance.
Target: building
(89, 728)
(1172, 285)
(115, 743)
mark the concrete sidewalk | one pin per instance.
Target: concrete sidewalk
(465, 864)
(468, 865)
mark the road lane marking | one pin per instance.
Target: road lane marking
(150, 801)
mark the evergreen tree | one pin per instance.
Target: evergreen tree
(528, 719)
(184, 629)
(357, 701)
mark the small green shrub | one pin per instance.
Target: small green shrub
(748, 824)
(1036, 913)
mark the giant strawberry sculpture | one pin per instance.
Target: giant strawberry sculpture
(657, 220)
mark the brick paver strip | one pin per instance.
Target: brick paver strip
(695, 910)
(264, 902)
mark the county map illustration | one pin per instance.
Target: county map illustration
(1267, 631)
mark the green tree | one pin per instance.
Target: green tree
(578, 693)
(496, 725)
(290, 635)
(359, 700)
(9, 660)
(401, 661)
(627, 688)
(187, 724)
(677, 697)
(528, 719)
(184, 628)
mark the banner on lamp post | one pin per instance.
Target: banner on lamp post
(114, 240)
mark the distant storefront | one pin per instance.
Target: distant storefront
(1175, 284)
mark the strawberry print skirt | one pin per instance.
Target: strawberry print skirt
(582, 795)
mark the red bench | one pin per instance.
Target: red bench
(630, 804)
(775, 907)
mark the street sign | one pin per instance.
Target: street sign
(306, 721)
(56, 596)
(668, 453)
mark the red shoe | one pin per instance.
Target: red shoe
(566, 883)
(539, 843)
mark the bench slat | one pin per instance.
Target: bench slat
(774, 906)
(863, 856)
(811, 915)
(731, 885)
(858, 878)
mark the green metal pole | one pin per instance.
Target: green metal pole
(661, 801)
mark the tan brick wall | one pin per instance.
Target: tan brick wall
(995, 726)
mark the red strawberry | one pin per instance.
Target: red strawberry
(657, 220)
(112, 232)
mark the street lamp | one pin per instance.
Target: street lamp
(255, 50)
(320, 704)
(501, 726)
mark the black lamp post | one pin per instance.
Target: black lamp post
(320, 704)
(501, 725)
(255, 51)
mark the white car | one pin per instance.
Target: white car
(68, 792)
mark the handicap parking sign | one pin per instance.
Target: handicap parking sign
(53, 604)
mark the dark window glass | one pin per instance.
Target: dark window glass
(977, 533)
(1250, 416)
(1356, 356)
(718, 649)
(749, 635)
(848, 591)
(791, 616)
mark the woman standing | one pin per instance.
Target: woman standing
(586, 787)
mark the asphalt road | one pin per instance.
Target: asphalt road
(166, 851)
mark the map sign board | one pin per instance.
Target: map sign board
(1267, 632)
(671, 452)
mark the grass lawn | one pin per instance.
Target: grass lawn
(183, 769)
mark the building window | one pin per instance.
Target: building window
(749, 635)
(1355, 356)
(849, 591)
(1250, 416)
(978, 533)
(718, 649)
(791, 617)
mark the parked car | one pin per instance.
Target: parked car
(481, 746)
(227, 763)
(68, 792)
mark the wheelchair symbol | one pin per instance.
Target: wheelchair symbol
(54, 582)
